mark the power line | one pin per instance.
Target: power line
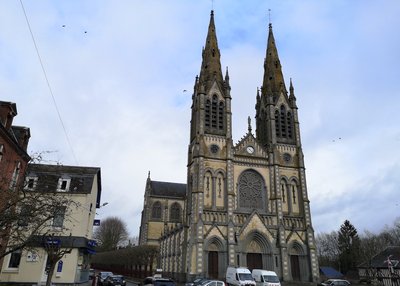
(48, 84)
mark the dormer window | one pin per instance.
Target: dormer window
(30, 183)
(63, 184)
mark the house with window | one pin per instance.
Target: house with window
(13, 161)
(74, 194)
(383, 268)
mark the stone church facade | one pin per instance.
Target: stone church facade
(244, 204)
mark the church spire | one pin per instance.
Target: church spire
(211, 65)
(273, 82)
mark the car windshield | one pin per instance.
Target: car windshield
(105, 274)
(245, 276)
(163, 283)
(271, 278)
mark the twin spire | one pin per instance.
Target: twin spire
(273, 82)
(211, 65)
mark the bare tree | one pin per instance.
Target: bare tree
(371, 244)
(27, 211)
(111, 234)
(328, 249)
(55, 250)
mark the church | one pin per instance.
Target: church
(244, 204)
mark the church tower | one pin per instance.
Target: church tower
(277, 129)
(276, 120)
(246, 204)
(210, 156)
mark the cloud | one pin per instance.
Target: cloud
(119, 88)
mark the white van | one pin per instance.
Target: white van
(239, 276)
(265, 277)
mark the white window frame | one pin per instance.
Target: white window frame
(60, 184)
(9, 260)
(35, 180)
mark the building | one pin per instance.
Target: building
(164, 204)
(13, 161)
(246, 204)
(74, 193)
(383, 268)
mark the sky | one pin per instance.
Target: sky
(122, 75)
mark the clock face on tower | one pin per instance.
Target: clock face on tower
(250, 149)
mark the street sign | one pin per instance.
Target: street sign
(60, 266)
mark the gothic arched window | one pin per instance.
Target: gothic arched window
(214, 113)
(277, 124)
(207, 115)
(156, 210)
(294, 192)
(214, 117)
(251, 190)
(220, 191)
(221, 116)
(208, 190)
(283, 190)
(282, 118)
(175, 212)
(289, 125)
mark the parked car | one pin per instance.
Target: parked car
(212, 283)
(239, 276)
(114, 280)
(265, 277)
(158, 281)
(335, 282)
(196, 282)
(101, 276)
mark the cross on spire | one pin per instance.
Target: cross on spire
(269, 16)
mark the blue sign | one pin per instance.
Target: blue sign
(59, 266)
(96, 222)
(52, 241)
(92, 243)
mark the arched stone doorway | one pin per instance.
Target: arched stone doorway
(298, 262)
(258, 252)
(215, 253)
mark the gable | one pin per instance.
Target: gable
(248, 146)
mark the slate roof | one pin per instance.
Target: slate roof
(48, 176)
(166, 189)
(330, 272)
(381, 259)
